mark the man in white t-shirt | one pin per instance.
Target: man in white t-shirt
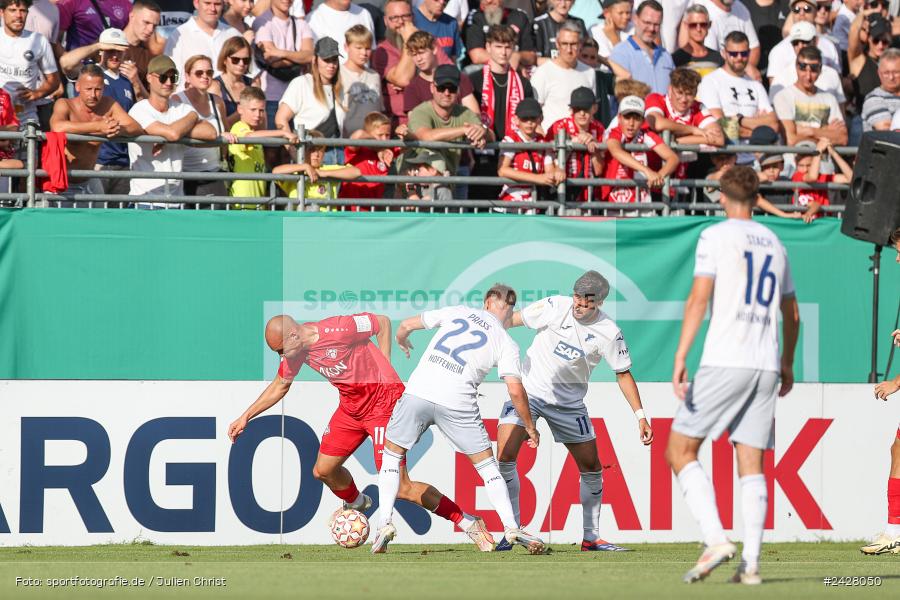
(806, 112)
(803, 34)
(27, 67)
(555, 80)
(573, 335)
(739, 102)
(172, 120)
(726, 16)
(333, 17)
(205, 34)
(443, 391)
(741, 268)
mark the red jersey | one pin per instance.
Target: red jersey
(615, 170)
(346, 357)
(696, 116)
(578, 164)
(527, 161)
(804, 197)
(7, 117)
(368, 163)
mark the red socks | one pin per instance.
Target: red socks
(348, 494)
(449, 510)
(893, 495)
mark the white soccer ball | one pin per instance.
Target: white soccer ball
(349, 528)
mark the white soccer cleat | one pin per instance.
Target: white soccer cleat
(384, 535)
(882, 545)
(479, 534)
(746, 575)
(711, 558)
(366, 504)
(533, 544)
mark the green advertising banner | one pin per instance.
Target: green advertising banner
(108, 294)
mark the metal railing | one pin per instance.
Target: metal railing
(664, 201)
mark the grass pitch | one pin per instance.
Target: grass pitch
(432, 572)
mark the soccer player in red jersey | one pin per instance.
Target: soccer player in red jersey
(889, 540)
(340, 348)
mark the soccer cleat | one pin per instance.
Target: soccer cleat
(882, 545)
(711, 558)
(479, 534)
(746, 575)
(533, 544)
(366, 504)
(599, 545)
(384, 535)
(503, 545)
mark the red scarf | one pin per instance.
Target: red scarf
(514, 94)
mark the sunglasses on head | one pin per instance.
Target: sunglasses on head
(202, 72)
(239, 60)
(167, 77)
(805, 66)
(808, 10)
(736, 53)
(704, 25)
(447, 88)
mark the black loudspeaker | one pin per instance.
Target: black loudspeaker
(873, 205)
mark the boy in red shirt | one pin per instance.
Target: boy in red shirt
(625, 164)
(533, 167)
(368, 161)
(8, 122)
(584, 129)
(808, 172)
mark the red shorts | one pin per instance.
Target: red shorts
(345, 434)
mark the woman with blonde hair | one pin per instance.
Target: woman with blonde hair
(234, 63)
(315, 100)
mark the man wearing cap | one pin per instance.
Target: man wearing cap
(83, 25)
(806, 111)
(803, 35)
(581, 128)
(639, 57)
(624, 164)
(555, 80)
(89, 113)
(443, 119)
(204, 35)
(533, 167)
(170, 119)
(782, 56)
(882, 103)
(726, 16)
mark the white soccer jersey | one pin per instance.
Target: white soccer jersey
(468, 344)
(562, 355)
(752, 275)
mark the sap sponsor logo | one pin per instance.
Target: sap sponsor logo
(334, 371)
(331, 353)
(567, 352)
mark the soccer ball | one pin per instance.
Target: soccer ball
(349, 528)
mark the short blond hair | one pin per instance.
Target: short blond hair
(631, 87)
(375, 119)
(358, 34)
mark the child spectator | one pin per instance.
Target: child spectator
(427, 163)
(313, 168)
(770, 169)
(534, 167)
(625, 164)
(808, 172)
(583, 129)
(249, 158)
(362, 85)
(369, 161)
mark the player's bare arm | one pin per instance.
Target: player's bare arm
(406, 327)
(517, 321)
(790, 313)
(630, 390)
(383, 339)
(519, 400)
(694, 311)
(273, 393)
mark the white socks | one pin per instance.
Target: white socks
(388, 484)
(496, 491)
(754, 503)
(591, 494)
(511, 477)
(892, 530)
(701, 499)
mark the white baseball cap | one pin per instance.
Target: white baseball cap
(803, 31)
(631, 104)
(114, 37)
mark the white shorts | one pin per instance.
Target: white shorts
(463, 428)
(739, 400)
(569, 424)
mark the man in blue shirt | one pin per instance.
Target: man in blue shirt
(639, 57)
(113, 156)
(429, 16)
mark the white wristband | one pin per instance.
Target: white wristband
(639, 414)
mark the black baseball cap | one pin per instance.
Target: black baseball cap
(879, 27)
(763, 136)
(446, 75)
(327, 48)
(529, 108)
(582, 97)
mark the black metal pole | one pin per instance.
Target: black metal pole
(876, 267)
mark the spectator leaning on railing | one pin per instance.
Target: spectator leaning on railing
(234, 63)
(162, 116)
(531, 167)
(882, 103)
(581, 128)
(89, 113)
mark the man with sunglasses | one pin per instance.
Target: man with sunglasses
(782, 56)
(726, 16)
(803, 35)
(695, 54)
(806, 112)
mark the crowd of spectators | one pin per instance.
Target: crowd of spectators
(808, 73)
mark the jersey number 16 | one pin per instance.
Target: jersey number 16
(763, 295)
